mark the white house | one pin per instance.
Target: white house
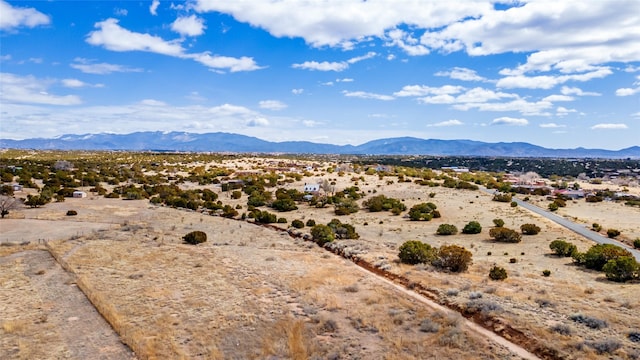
(311, 188)
(79, 194)
(16, 187)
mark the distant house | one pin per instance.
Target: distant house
(16, 187)
(79, 194)
(311, 188)
(571, 194)
(455, 169)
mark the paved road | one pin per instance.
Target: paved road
(577, 228)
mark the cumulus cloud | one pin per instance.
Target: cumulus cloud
(549, 81)
(557, 98)
(422, 90)
(367, 95)
(297, 91)
(75, 83)
(153, 8)
(188, 25)
(510, 121)
(627, 91)
(90, 67)
(344, 80)
(609, 127)
(112, 36)
(566, 90)
(406, 42)
(463, 74)
(31, 90)
(272, 105)
(552, 126)
(447, 123)
(258, 121)
(332, 65)
(14, 17)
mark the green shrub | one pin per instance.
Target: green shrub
(598, 255)
(423, 212)
(345, 206)
(383, 203)
(298, 224)
(498, 222)
(473, 227)
(596, 227)
(613, 233)
(284, 204)
(622, 269)
(453, 258)
(553, 206)
(322, 234)
(514, 204)
(195, 237)
(343, 231)
(562, 248)
(447, 229)
(502, 234)
(264, 217)
(311, 223)
(636, 243)
(72, 213)
(546, 273)
(502, 197)
(497, 273)
(529, 229)
(416, 252)
(282, 220)
(236, 194)
(513, 260)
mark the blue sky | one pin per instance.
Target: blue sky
(559, 74)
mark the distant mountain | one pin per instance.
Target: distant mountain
(225, 142)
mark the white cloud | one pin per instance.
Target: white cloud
(256, 122)
(549, 81)
(523, 106)
(322, 66)
(152, 102)
(297, 91)
(121, 12)
(463, 74)
(188, 26)
(552, 126)
(332, 65)
(225, 62)
(311, 123)
(344, 80)
(328, 83)
(113, 37)
(627, 91)
(510, 121)
(75, 83)
(556, 98)
(31, 90)
(153, 8)
(367, 95)
(562, 111)
(447, 123)
(422, 90)
(89, 67)
(406, 42)
(15, 17)
(565, 90)
(272, 105)
(609, 127)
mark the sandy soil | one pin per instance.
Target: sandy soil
(250, 292)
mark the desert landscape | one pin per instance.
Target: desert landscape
(118, 281)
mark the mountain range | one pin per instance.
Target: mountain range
(226, 142)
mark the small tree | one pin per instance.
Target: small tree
(298, 224)
(7, 203)
(416, 252)
(447, 229)
(473, 227)
(195, 237)
(497, 273)
(598, 255)
(613, 233)
(498, 222)
(322, 234)
(453, 258)
(622, 269)
(562, 248)
(423, 212)
(529, 229)
(503, 234)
